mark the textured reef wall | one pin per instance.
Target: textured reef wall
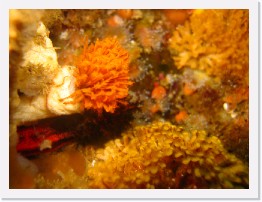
(129, 98)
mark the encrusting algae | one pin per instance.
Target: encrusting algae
(159, 155)
(102, 78)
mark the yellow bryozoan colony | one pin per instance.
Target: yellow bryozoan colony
(137, 98)
(215, 41)
(159, 155)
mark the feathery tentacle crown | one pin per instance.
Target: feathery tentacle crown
(102, 78)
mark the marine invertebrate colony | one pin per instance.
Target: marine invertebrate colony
(102, 78)
(180, 158)
(215, 41)
(78, 121)
(158, 155)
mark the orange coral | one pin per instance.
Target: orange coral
(125, 13)
(102, 78)
(177, 16)
(181, 116)
(158, 93)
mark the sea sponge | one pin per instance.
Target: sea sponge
(215, 41)
(39, 65)
(102, 78)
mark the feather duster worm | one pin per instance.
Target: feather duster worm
(102, 78)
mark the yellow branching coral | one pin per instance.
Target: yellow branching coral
(215, 41)
(162, 155)
(159, 155)
(102, 78)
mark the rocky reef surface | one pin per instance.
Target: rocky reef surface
(129, 98)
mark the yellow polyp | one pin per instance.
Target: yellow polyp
(146, 163)
(155, 159)
(146, 178)
(209, 160)
(196, 145)
(139, 181)
(162, 165)
(201, 161)
(194, 159)
(169, 152)
(221, 175)
(205, 147)
(178, 154)
(186, 160)
(207, 176)
(197, 172)
(166, 128)
(193, 138)
(126, 178)
(189, 152)
(200, 154)
(237, 180)
(126, 140)
(227, 184)
(160, 154)
(118, 143)
(198, 11)
(149, 186)
(153, 170)
(148, 150)
(177, 144)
